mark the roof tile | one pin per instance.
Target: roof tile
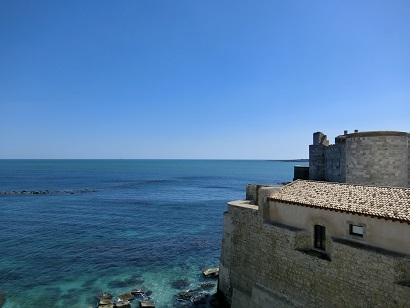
(383, 202)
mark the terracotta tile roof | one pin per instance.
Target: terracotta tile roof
(382, 202)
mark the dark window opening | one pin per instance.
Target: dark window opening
(320, 237)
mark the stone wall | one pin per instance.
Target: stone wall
(378, 158)
(383, 233)
(267, 264)
(371, 158)
(317, 162)
(335, 162)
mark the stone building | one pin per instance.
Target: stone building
(322, 243)
(374, 158)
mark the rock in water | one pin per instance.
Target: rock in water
(107, 302)
(2, 299)
(147, 304)
(180, 283)
(104, 296)
(185, 295)
(200, 300)
(207, 285)
(126, 297)
(137, 292)
(211, 272)
(123, 304)
(148, 293)
(105, 305)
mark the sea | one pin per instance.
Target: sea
(73, 229)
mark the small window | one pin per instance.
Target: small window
(320, 237)
(356, 230)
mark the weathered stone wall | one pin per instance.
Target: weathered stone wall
(224, 280)
(327, 162)
(377, 158)
(266, 264)
(317, 162)
(372, 158)
(256, 193)
(335, 162)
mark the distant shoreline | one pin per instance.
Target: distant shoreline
(301, 160)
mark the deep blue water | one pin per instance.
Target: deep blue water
(115, 225)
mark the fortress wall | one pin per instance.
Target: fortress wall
(224, 283)
(377, 158)
(372, 158)
(263, 266)
(317, 162)
(335, 162)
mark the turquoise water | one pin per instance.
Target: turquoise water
(116, 225)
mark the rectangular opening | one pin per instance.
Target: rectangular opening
(356, 230)
(320, 237)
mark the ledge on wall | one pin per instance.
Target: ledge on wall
(369, 248)
(283, 226)
(315, 253)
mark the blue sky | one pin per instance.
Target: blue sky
(198, 79)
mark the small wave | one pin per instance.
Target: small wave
(131, 184)
(217, 187)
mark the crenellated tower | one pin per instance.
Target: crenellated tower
(372, 158)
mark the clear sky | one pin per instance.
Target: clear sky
(198, 78)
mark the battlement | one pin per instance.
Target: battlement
(374, 158)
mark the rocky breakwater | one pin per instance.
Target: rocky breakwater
(105, 300)
(201, 295)
(47, 192)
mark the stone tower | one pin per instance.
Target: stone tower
(372, 158)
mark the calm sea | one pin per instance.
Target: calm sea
(84, 227)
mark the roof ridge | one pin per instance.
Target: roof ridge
(345, 184)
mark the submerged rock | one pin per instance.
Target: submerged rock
(130, 282)
(201, 299)
(211, 272)
(106, 302)
(123, 304)
(2, 299)
(185, 295)
(148, 293)
(105, 305)
(207, 285)
(126, 297)
(180, 283)
(147, 304)
(104, 296)
(136, 292)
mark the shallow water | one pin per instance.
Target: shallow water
(115, 225)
